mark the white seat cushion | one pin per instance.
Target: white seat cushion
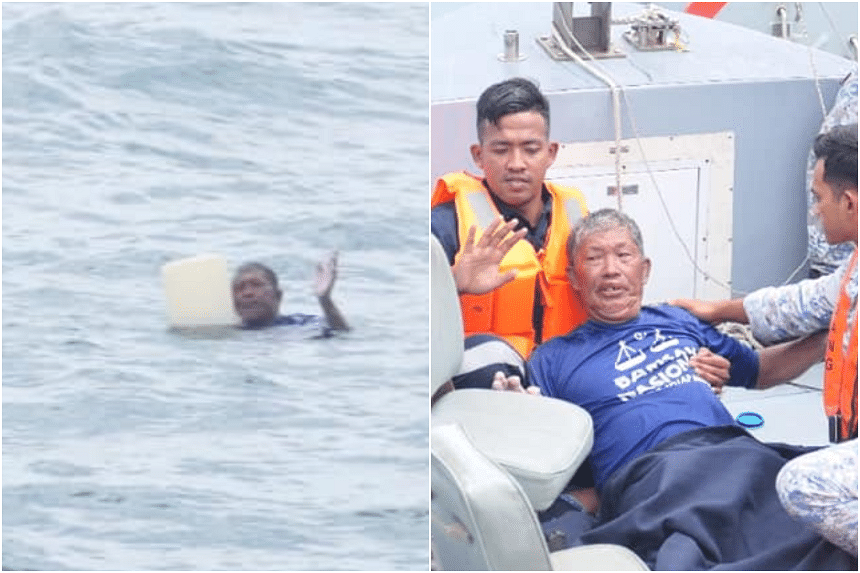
(482, 519)
(446, 321)
(540, 441)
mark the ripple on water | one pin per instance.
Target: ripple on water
(138, 133)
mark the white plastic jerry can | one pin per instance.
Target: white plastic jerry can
(198, 292)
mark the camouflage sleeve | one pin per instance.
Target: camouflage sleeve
(790, 311)
(820, 490)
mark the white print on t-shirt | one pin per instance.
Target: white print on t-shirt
(662, 342)
(629, 357)
(668, 369)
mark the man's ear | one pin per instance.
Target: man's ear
(850, 196)
(553, 151)
(646, 270)
(476, 150)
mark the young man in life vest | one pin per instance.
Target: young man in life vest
(532, 301)
(820, 488)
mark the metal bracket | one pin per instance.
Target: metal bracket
(580, 33)
(554, 51)
(650, 31)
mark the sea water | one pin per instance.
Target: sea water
(137, 134)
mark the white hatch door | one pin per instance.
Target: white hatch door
(681, 199)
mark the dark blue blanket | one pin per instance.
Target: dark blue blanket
(706, 500)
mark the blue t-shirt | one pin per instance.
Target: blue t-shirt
(302, 325)
(636, 382)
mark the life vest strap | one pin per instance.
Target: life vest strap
(840, 366)
(834, 431)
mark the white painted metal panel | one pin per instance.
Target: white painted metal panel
(679, 191)
(671, 275)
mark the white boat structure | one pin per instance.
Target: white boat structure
(705, 126)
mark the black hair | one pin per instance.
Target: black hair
(838, 149)
(510, 96)
(255, 266)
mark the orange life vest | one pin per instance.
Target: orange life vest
(508, 310)
(840, 366)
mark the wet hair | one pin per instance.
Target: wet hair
(602, 220)
(838, 149)
(513, 95)
(260, 267)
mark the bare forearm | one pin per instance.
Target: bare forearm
(333, 316)
(730, 311)
(783, 362)
(715, 311)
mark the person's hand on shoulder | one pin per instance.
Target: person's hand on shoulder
(714, 311)
(701, 309)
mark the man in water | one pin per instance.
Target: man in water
(257, 299)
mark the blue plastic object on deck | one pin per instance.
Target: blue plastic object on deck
(750, 420)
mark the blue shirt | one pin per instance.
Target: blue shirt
(302, 325)
(635, 381)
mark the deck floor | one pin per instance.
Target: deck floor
(793, 413)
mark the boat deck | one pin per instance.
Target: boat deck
(793, 413)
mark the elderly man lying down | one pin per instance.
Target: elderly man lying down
(676, 480)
